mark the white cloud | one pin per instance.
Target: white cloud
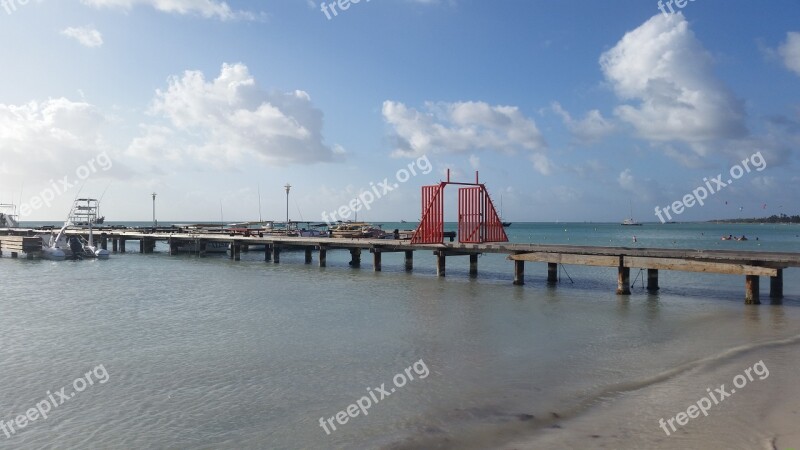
(48, 140)
(542, 163)
(592, 128)
(205, 8)
(664, 69)
(230, 120)
(463, 127)
(790, 52)
(87, 36)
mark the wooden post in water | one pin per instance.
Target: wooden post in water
(751, 290)
(114, 245)
(376, 260)
(323, 256)
(172, 249)
(237, 251)
(232, 244)
(409, 260)
(652, 280)
(623, 280)
(141, 245)
(776, 288)
(268, 252)
(552, 273)
(201, 247)
(122, 245)
(276, 254)
(473, 265)
(308, 255)
(355, 257)
(441, 263)
(519, 273)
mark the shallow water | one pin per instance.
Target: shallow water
(213, 353)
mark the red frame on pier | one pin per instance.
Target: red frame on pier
(478, 220)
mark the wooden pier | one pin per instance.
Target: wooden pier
(751, 265)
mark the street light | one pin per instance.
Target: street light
(288, 186)
(154, 210)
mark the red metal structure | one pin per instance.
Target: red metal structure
(478, 220)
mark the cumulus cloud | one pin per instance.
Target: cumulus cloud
(591, 128)
(666, 73)
(205, 8)
(790, 52)
(49, 139)
(86, 36)
(463, 127)
(229, 119)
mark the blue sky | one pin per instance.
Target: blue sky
(570, 110)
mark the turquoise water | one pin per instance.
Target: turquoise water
(212, 353)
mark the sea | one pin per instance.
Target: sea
(173, 352)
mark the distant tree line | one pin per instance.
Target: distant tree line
(783, 218)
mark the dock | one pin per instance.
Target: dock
(751, 265)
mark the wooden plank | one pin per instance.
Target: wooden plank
(697, 266)
(567, 258)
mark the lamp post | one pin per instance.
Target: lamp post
(288, 186)
(154, 210)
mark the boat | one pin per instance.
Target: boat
(8, 216)
(356, 230)
(86, 212)
(59, 246)
(505, 224)
(629, 222)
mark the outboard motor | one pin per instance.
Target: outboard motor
(76, 247)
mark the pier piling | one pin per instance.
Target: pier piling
(308, 255)
(441, 263)
(552, 273)
(376, 260)
(751, 290)
(323, 256)
(776, 287)
(355, 257)
(519, 272)
(267, 252)
(276, 254)
(473, 265)
(623, 280)
(652, 280)
(409, 260)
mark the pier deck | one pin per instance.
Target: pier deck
(752, 265)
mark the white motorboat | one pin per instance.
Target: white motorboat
(8, 216)
(60, 246)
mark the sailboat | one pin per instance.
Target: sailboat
(630, 222)
(505, 224)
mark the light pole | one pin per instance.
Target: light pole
(288, 186)
(154, 210)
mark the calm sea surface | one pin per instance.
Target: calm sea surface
(211, 353)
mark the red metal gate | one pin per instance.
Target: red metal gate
(470, 215)
(478, 221)
(431, 227)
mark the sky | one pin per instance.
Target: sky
(570, 110)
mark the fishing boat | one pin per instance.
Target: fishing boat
(8, 216)
(60, 246)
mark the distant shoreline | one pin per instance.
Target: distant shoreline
(783, 218)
